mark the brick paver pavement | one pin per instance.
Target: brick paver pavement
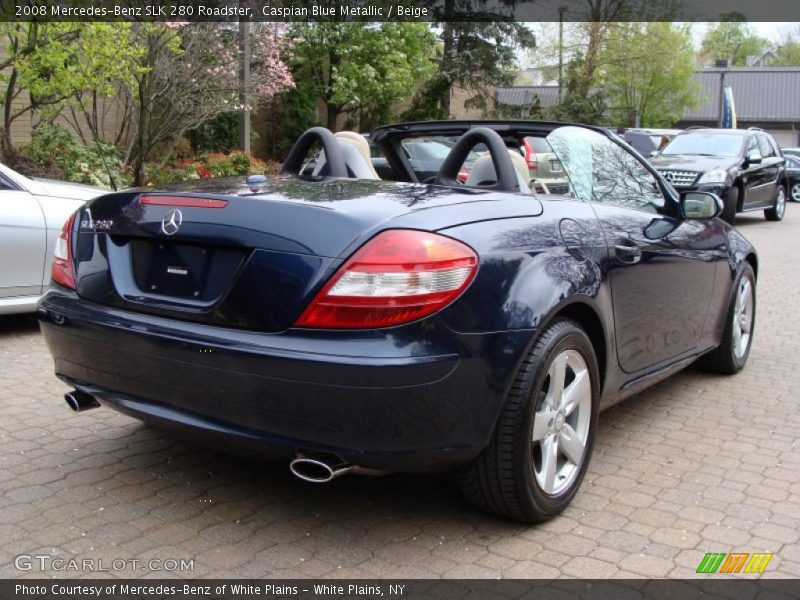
(699, 463)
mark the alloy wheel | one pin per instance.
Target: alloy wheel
(780, 203)
(796, 192)
(742, 317)
(561, 422)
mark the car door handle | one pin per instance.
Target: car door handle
(628, 254)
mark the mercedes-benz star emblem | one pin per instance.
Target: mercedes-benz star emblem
(171, 222)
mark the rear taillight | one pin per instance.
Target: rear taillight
(533, 166)
(398, 276)
(62, 272)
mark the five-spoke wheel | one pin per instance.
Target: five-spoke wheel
(561, 422)
(541, 446)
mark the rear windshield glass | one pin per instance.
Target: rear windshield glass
(539, 145)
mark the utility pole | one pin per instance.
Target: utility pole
(244, 85)
(560, 51)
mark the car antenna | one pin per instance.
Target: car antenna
(105, 165)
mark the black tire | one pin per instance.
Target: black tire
(724, 359)
(501, 479)
(730, 205)
(778, 209)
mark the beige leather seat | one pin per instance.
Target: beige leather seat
(355, 149)
(362, 145)
(483, 171)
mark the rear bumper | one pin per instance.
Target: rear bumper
(413, 398)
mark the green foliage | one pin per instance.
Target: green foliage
(476, 56)
(220, 134)
(215, 164)
(576, 108)
(427, 102)
(648, 70)
(732, 39)
(61, 64)
(787, 54)
(299, 112)
(94, 164)
(356, 66)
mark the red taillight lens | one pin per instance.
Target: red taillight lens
(398, 276)
(62, 272)
(533, 166)
(463, 175)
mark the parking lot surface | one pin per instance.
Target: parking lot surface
(700, 463)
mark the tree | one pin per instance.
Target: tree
(360, 66)
(648, 71)
(787, 53)
(474, 56)
(188, 75)
(51, 65)
(733, 40)
(579, 104)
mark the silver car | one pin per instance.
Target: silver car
(32, 212)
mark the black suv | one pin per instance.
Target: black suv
(744, 167)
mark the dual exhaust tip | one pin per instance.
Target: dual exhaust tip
(320, 469)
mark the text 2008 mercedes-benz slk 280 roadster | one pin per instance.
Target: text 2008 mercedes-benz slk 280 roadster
(410, 323)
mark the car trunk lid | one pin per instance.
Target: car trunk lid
(221, 252)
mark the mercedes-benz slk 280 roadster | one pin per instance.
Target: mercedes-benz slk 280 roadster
(348, 323)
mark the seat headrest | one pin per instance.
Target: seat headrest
(361, 144)
(355, 149)
(483, 170)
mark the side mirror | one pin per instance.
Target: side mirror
(701, 205)
(752, 160)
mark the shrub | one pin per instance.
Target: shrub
(97, 163)
(210, 165)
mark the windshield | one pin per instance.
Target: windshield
(705, 144)
(427, 150)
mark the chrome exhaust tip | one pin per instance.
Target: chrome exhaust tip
(315, 470)
(80, 401)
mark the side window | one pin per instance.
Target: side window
(775, 148)
(601, 171)
(5, 184)
(764, 147)
(753, 150)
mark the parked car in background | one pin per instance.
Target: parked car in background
(346, 324)
(546, 171)
(790, 151)
(32, 212)
(744, 167)
(793, 177)
(649, 141)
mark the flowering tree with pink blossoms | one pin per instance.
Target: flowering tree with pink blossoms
(189, 75)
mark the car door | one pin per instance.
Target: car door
(661, 267)
(771, 165)
(23, 245)
(754, 179)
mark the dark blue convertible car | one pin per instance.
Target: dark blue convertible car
(347, 322)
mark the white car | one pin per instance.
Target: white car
(32, 212)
